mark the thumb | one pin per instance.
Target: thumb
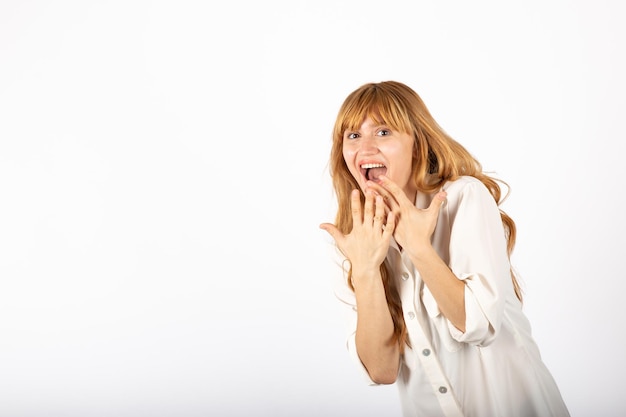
(332, 230)
(438, 201)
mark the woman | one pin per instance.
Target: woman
(425, 277)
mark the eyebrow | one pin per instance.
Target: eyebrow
(358, 130)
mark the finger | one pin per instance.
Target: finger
(355, 206)
(388, 198)
(379, 214)
(368, 214)
(396, 192)
(390, 225)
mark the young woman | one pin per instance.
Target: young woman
(424, 272)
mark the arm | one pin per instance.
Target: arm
(446, 288)
(413, 232)
(366, 247)
(377, 349)
(476, 253)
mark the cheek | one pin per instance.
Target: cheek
(348, 158)
(404, 164)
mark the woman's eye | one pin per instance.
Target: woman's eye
(384, 132)
(352, 135)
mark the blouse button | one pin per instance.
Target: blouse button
(426, 352)
(411, 315)
(443, 390)
(405, 276)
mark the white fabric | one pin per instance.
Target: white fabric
(494, 369)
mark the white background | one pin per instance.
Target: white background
(163, 174)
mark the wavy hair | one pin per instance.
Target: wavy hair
(437, 158)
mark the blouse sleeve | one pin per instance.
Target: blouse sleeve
(478, 256)
(347, 300)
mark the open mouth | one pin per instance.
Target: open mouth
(373, 171)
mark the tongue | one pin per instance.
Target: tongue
(374, 173)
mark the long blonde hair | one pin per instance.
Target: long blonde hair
(438, 158)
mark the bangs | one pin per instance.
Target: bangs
(382, 107)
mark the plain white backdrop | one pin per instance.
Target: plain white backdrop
(163, 174)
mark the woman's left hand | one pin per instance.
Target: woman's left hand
(414, 226)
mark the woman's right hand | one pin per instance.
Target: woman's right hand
(368, 242)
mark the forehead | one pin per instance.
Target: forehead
(369, 124)
(372, 116)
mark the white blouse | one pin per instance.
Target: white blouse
(494, 368)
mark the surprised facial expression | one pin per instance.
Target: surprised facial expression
(374, 150)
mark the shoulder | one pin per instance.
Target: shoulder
(468, 190)
(465, 185)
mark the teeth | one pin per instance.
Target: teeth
(368, 166)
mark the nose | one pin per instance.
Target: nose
(368, 144)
